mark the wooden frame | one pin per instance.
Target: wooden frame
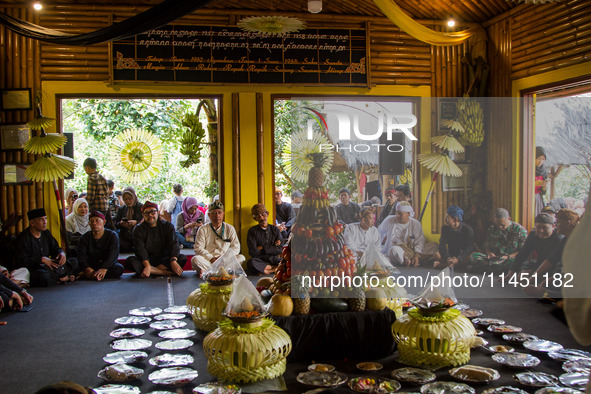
(15, 99)
(14, 136)
(450, 183)
(447, 109)
(14, 174)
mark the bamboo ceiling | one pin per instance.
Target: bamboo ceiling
(462, 10)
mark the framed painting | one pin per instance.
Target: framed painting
(15, 99)
(14, 136)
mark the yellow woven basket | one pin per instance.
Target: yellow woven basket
(206, 305)
(435, 340)
(243, 353)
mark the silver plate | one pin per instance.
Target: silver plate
(413, 375)
(117, 389)
(471, 313)
(503, 328)
(446, 387)
(485, 321)
(501, 349)
(171, 360)
(132, 373)
(465, 374)
(133, 320)
(581, 365)
(575, 380)
(461, 306)
(569, 354)
(131, 344)
(519, 337)
(145, 311)
(177, 309)
(169, 316)
(125, 356)
(127, 333)
(175, 376)
(541, 345)
(174, 344)
(322, 379)
(177, 334)
(504, 390)
(168, 324)
(536, 379)
(557, 390)
(517, 360)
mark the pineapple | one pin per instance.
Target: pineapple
(357, 299)
(301, 296)
(316, 174)
(301, 306)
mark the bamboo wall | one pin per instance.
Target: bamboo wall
(526, 41)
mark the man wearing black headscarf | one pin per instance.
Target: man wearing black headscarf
(457, 240)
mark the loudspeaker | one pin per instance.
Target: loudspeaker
(392, 163)
(68, 150)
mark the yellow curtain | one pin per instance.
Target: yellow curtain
(420, 32)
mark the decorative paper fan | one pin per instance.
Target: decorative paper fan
(45, 143)
(447, 142)
(271, 24)
(440, 163)
(136, 155)
(40, 122)
(50, 167)
(296, 154)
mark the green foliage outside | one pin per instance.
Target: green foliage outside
(95, 122)
(573, 181)
(290, 118)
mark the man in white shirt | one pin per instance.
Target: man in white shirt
(214, 239)
(358, 236)
(404, 238)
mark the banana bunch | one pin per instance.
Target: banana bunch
(471, 117)
(191, 140)
(406, 178)
(317, 204)
(50, 167)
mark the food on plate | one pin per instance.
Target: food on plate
(120, 373)
(475, 374)
(413, 375)
(500, 348)
(321, 367)
(373, 385)
(370, 366)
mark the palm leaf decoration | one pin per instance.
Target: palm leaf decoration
(50, 167)
(453, 125)
(40, 122)
(136, 155)
(447, 142)
(45, 143)
(297, 154)
(440, 163)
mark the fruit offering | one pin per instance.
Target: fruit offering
(374, 385)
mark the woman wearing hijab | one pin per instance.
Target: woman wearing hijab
(541, 179)
(71, 195)
(77, 222)
(128, 215)
(188, 222)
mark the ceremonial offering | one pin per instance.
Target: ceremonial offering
(133, 320)
(120, 373)
(500, 349)
(322, 379)
(557, 390)
(224, 270)
(321, 367)
(485, 321)
(117, 389)
(369, 366)
(131, 344)
(175, 376)
(177, 309)
(536, 379)
(167, 324)
(373, 385)
(475, 374)
(519, 337)
(568, 354)
(447, 387)
(125, 356)
(207, 304)
(471, 313)
(245, 304)
(169, 316)
(503, 328)
(145, 311)
(504, 390)
(127, 333)
(413, 375)
(517, 360)
(177, 334)
(217, 388)
(579, 365)
(542, 345)
(575, 380)
(174, 344)
(171, 360)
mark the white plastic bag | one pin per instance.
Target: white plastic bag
(245, 301)
(376, 262)
(225, 269)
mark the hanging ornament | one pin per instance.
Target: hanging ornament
(136, 155)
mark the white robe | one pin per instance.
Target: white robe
(358, 239)
(208, 245)
(396, 233)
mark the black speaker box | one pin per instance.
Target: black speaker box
(391, 163)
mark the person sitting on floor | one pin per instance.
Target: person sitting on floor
(539, 245)
(402, 194)
(264, 244)
(388, 208)
(214, 240)
(358, 236)
(504, 239)
(98, 250)
(157, 251)
(347, 210)
(39, 252)
(456, 243)
(128, 216)
(113, 204)
(285, 214)
(77, 223)
(405, 240)
(550, 211)
(188, 222)
(12, 296)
